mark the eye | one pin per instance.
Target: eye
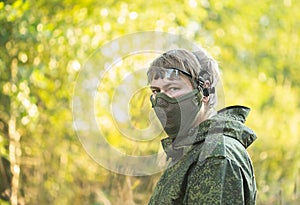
(155, 91)
(173, 89)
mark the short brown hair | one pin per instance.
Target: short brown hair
(178, 58)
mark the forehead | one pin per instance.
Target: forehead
(182, 81)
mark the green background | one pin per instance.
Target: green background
(44, 44)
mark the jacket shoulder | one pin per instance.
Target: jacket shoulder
(219, 146)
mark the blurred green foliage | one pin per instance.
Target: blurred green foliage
(256, 43)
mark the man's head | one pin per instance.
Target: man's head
(181, 82)
(197, 70)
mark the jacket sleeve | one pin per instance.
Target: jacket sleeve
(216, 181)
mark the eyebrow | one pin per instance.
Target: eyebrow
(154, 88)
(165, 86)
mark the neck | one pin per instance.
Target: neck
(205, 113)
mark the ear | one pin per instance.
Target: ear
(206, 84)
(205, 99)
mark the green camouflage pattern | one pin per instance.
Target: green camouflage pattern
(211, 165)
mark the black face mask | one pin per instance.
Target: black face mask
(177, 115)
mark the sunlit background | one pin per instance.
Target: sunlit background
(45, 45)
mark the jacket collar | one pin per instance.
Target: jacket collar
(229, 121)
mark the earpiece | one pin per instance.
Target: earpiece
(205, 92)
(201, 81)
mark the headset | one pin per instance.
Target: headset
(201, 81)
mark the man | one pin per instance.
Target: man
(209, 162)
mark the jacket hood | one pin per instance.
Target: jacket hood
(229, 122)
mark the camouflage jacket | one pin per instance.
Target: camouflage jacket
(211, 165)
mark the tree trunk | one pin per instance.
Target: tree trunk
(14, 140)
